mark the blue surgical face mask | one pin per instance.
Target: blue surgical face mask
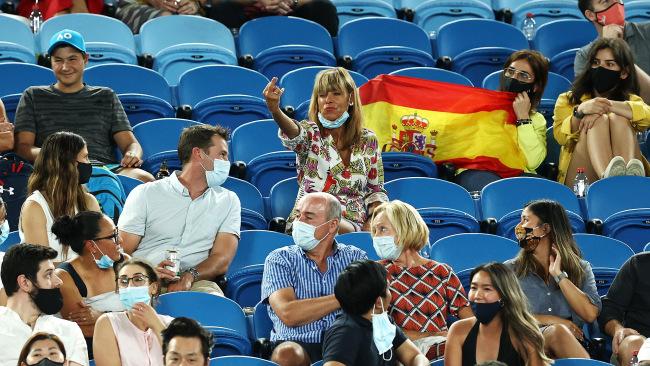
(4, 231)
(333, 124)
(104, 262)
(486, 311)
(129, 296)
(386, 248)
(383, 332)
(219, 174)
(303, 235)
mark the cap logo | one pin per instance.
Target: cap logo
(65, 35)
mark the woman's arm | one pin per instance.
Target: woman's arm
(72, 304)
(622, 109)
(532, 140)
(409, 355)
(455, 339)
(105, 347)
(33, 224)
(579, 302)
(565, 126)
(272, 94)
(92, 204)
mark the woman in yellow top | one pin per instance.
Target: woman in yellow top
(597, 120)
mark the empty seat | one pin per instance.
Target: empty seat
(402, 165)
(252, 204)
(373, 46)
(637, 11)
(17, 43)
(253, 139)
(182, 42)
(282, 198)
(431, 14)
(11, 240)
(545, 11)
(267, 169)
(160, 134)
(223, 94)
(434, 74)
(361, 240)
(352, 9)
(275, 45)
(18, 76)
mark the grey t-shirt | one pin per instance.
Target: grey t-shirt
(95, 113)
(637, 36)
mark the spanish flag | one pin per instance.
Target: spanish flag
(471, 127)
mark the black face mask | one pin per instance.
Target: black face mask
(527, 241)
(604, 79)
(85, 170)
(49, 301)
(47, 362)
(486, 311)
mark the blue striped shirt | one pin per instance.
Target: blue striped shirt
(290, 267)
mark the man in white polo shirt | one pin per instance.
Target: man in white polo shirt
(33, 296)
(188, 211)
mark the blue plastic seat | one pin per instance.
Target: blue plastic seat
(247, 267)
(262, 324)
(637, 11)
(545, 11)
(298, 85)
(18, 76)
(11, 240)
(223, 94)
(160, 134)
(446, 208)
(17, 43)
(503, 201)
(275, 45)
(606, 256)
(183, 42)
(252, 204)
(455, 251)
(253, 139)
(431, 14)
(622, 204)
(646, 248)
(282, 198)
(348, 10)
(579, 362)
(373, 46)
(476, 57)
(128, 183)
(240, 361)
(361, 240)
(403, 165)
(439, 362)
(144, 93)
(108, 40)
(267, 169)
(434, 74)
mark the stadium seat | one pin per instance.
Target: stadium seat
(18, 76)
(144, 93)
(253, 139)
(559, 40)
(361, 240)
(434, 74)
(502, 202)
(17, 43)
(579, 362)
(549, 167)
(476, 57)
(440, 362)
(267, 169)
(128, 183)
(431, 14)
(619, 207)
(606, 256)
(373, 46)
(108, 40)
(446, 208)
(252, 204)
(176, 44)
(160, 134)
(282, 198)
(646, 248)
(275, 45)
(262, 324)
(637, 11)
(404, 165)
(220, 315)
(545, 11)
(247, 267)
(348, 10)
(454, 250)
(223, 94)
(240, 361)
(11, 240)
(298, 86)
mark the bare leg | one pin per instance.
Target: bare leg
(560, 343)
(623, 137)
(580, 159)
(290, 354)
(629, 345)
(138, 174)
(599, 145)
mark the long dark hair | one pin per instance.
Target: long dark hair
(74, 231)
(40, 336)
(540, 67)
(583, 84)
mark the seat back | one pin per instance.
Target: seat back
(18, 76)
(545, 11)
(123, 78)
(561, 35)
(11, 240)
(17, 42)
(240, 361)
(637, 11)
(267, 169)
(434, 74)
(160, 134)
(402, 165)
(249, 196)
(606, 197)
(254, 246)
(361, 240)
(282, 198)
(207, 309)
(458, 36)
(348, 10)
(262, 324)
(602, 251)
(432, 14)
(247, 144)
(431, 192)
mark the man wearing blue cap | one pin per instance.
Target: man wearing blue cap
(95, 113)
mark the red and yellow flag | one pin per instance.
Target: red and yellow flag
(471, 127)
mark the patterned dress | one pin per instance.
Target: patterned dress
(422, 298)
(321, 169)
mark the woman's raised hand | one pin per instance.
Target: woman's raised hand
(272, 94)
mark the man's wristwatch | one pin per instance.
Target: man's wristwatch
(194, 273)
(560, 277)
(577, 114)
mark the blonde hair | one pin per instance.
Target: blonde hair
(338, 79)
(410, 230)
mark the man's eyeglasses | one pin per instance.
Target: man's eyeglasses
(511, 72)
(115, 236)
(137, 280)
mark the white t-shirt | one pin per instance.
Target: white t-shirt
(644, 352)
(14, 333)
(165, 216)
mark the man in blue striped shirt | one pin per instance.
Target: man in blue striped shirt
(299, 280)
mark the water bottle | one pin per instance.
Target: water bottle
(35, 18)
(634, 361)
(529, 26)
(163, 171)
(581, 183)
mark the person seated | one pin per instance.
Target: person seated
(52, 8)
(56, 188)
(93, 112)
(557, 281)
(34, 296)
(525, 73)
(423, 292)
(43, 349)
(88, 280)
(626, 309)
(359, 335)
(596, 122)
(134, 13)
(298, 281)
(503, 329)
(335, 154)
(185, 342)
(6, 131)
(132, 337)
(188, 211)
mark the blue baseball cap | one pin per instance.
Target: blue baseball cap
(67, 37)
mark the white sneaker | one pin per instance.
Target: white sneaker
(635, 167)
(615, 167)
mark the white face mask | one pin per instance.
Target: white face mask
(304, 235)
(383, 332)
(386, 248)
(219, 174)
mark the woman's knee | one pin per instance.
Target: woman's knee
(558, 333)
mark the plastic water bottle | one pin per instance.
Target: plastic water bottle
(581, 183)
(529, 26)
(634, 361)
(163, 172)
(35, 18)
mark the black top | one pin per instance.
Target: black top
(628, 299)
(507, 352)
(81, 286)
(349, 341)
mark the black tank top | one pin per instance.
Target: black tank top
(81, 286)
(507, 352)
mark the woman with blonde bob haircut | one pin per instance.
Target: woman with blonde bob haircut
(334, 152)
(423, 291)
